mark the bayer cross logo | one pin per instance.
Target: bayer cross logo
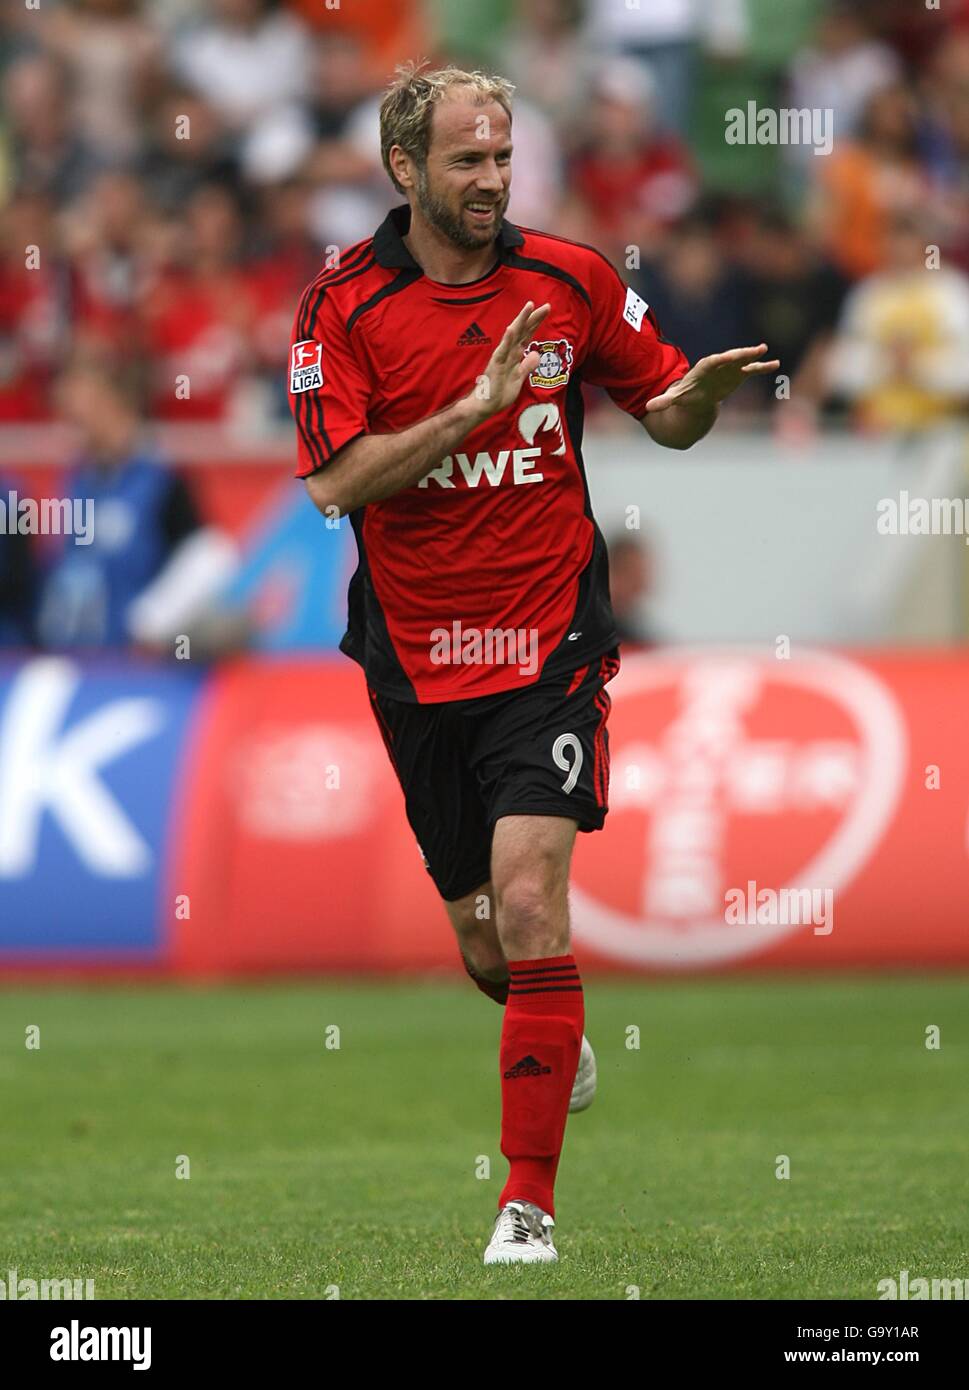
(733, 768)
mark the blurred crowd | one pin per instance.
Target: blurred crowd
(172, 174)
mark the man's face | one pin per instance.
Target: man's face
(468, 167)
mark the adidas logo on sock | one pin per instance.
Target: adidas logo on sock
(473, 336)
(528, 1066)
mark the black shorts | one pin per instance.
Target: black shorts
(542, 751)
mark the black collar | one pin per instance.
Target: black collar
(390, 251)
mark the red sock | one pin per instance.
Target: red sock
(540, 1044)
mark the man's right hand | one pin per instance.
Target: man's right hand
(500, 383)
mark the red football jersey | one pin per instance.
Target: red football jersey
(490, 572)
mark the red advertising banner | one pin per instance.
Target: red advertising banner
(810, 813)
(294, 848)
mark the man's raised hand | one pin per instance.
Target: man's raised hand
(501, 382)
(712, 378)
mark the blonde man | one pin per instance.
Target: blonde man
(435, 381)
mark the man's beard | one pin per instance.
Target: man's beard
(443, 220)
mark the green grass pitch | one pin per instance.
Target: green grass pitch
(357, 1167)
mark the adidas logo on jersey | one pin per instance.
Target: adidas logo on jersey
(528, 1066)
(473, 336)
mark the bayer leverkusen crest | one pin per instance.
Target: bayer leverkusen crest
(554, 363)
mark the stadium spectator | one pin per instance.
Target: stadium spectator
(840, 72)
(152, 567)
(17, 580)
(915, 31)
(113, 53)
(791, 298)
(694, 291)
(547, 56)
(105, 235)
(864, 183)
(339, 81)
(384, 32)
(630, 585)
(285, 258)
(34, 307)
(901, 354)
(630, 181)
(186, 148)
(343, 164)
(46, 151)
(664, 36)
(197, 318)
(944, 87)
(247, 59)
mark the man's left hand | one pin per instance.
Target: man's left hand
(713, 378)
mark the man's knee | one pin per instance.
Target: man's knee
(530, 858)
(533, 911)
(473, 920)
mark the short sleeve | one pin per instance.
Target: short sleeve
(329, 391)
(628, 355)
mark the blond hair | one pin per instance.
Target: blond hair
(408, 105)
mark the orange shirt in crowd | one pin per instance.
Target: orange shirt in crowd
(389, 32)
(860, 193)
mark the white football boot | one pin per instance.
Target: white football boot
(522, 1235)
(584, 1085)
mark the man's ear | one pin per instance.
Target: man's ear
(403, 166)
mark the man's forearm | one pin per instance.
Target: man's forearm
(679, 426)
(379, 465)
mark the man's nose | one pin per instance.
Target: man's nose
(489, 176)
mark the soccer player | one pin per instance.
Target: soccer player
(436, 385)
